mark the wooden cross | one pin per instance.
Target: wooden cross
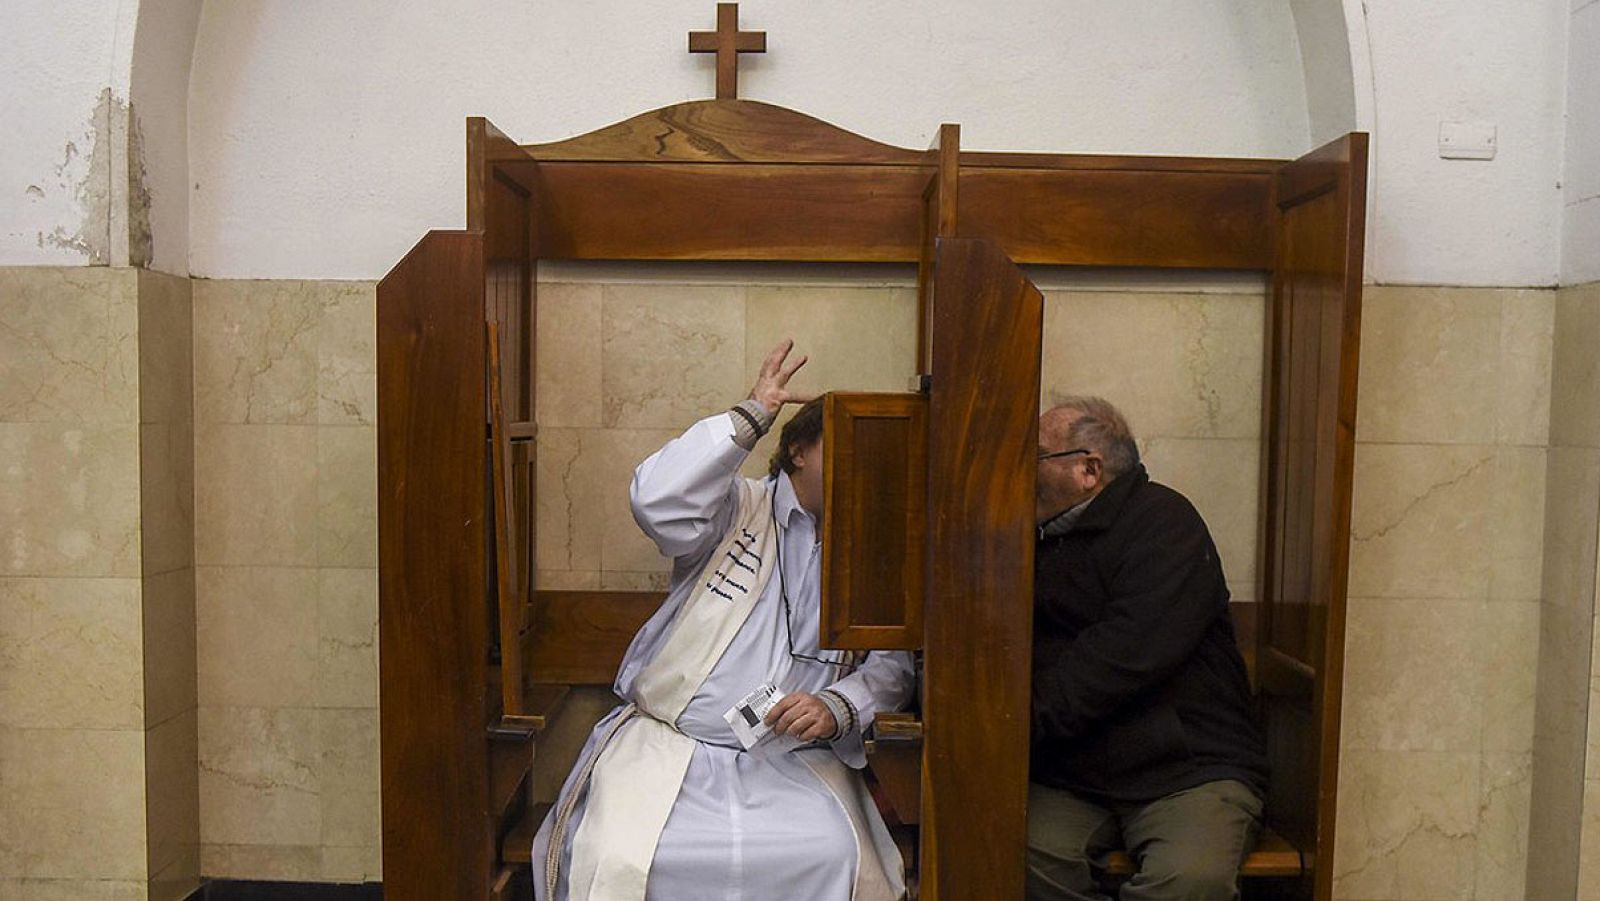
(727, 42)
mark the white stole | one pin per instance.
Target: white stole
(651, 756)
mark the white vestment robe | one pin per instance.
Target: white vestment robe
(778, 822)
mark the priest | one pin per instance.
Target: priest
(730, 770)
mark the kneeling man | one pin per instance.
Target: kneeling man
(666, 803)
(1142, 730)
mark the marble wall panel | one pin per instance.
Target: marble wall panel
(347, 353)
(1506, 678)
(1410, 678)
(172, 791)
(257, 635)
(348, 777)
(166, 348)
(1407, 825)
(166, 496)
(258, 779)
(1178, 365)
(170, 682)
(1425, 520)
(1505, 782)
(255, 351)
(670, 353)
(70, 654)
(291, 863)
(347, 496)
(567, 357)
(256, 494)
(179, 880)
(69, 499)
(1575, 393)
(1455, 365)
(1571, 531)
(72, 890)
(68, 345)
(855, 339)
(347, 638)
(72, 804)
(1222, 478)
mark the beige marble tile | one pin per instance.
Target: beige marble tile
(180, 879)
(567, 580)
(1407, 825)
(256, 495)
(651, 580)
(1507, 667)
(1421, 521)
(256, 634)
(1411, 680)
(1527, 332)
(166, 496)
(615, 453)
(348, 777)
(55, 822)
(346, 865)
(1554, 823)
(172, 791)
(1502, 833)
(1571, 532)
(1177, 365)
(1429, 361)
(1575, 368)
(670, 354)
(1564, 681)
(585, 522)
(1591, 767)
(69, 499)
(1222, 478)
(291, 863)
(71, 890)
(1589, 843)
(566, 538)
(170, 680)
(70, 654)
(347, 352)
(68, 345)
(856, 339)
(1516, 562)
(166, 348)
(347, 496)
(258, 780)
(347, 626)
(567, 358)
(255, 351)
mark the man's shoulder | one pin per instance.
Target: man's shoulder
(1154, 503)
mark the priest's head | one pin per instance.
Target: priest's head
(1084, 443)
(799, 453)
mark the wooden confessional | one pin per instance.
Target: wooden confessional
(475, 659)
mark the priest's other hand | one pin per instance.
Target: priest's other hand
(803, 716)
(772, 382)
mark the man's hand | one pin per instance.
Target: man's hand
(803, 716)
(771, 390)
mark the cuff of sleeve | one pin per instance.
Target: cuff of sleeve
(750, 421)
(844, 713)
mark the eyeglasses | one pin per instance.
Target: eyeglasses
(1065, 453)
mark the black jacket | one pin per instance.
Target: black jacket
(1138, 687)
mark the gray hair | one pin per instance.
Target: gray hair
(1102, 428)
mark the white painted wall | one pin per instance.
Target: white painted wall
(322, 139)
(325, 138)
(56, 60)
(1455, 222)
(1580, 254)
(159, 91)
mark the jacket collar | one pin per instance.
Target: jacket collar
(1103, 509)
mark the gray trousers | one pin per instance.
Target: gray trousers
(1187, 845)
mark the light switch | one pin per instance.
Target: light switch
(1466, 140)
